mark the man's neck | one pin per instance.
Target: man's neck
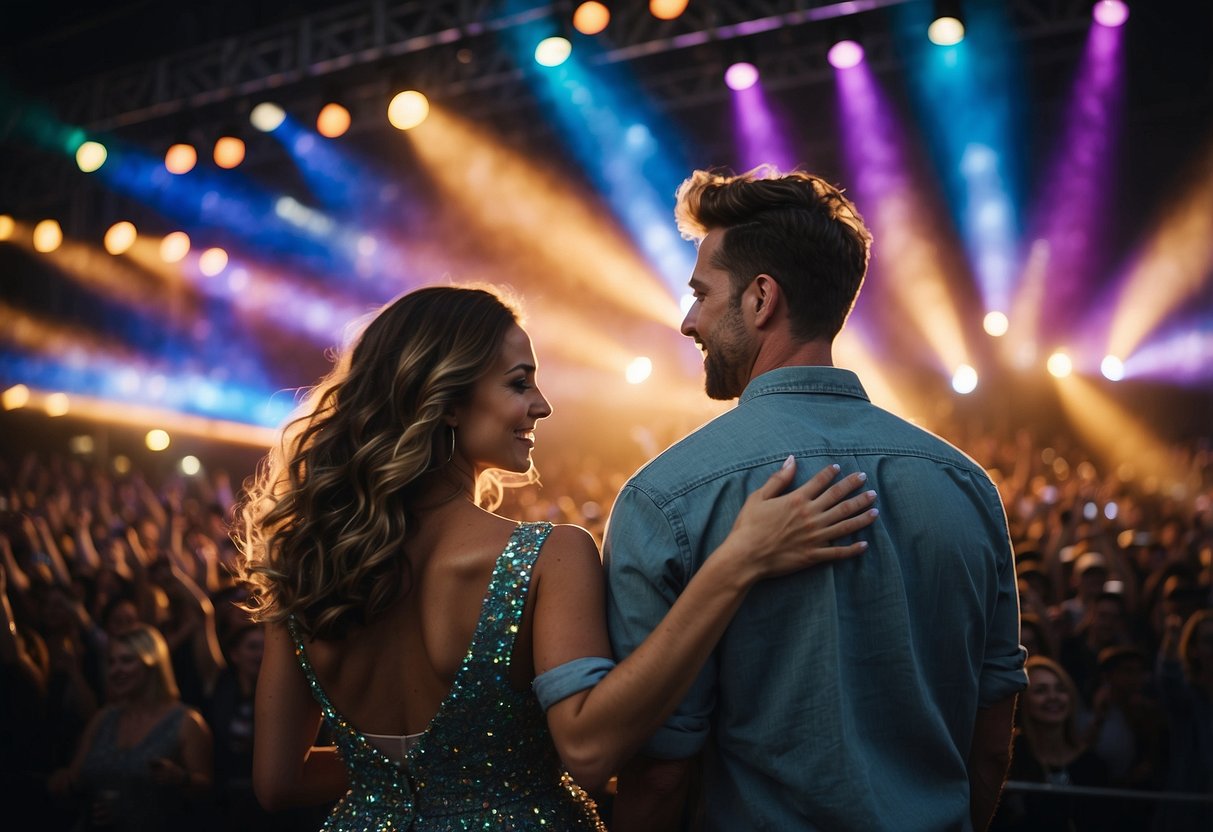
(785, 352)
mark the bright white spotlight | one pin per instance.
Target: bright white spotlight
(996, 324)
(1059, 365)
(157, 440)
(639, 370)
(1110, 13)
(15, 397)
(267, 117)
(964, 380)
(845, 54)
(48, 236)
(190, 465)
(408, 109)
(90, 156)
(120, 237)
(57, 404)
(946, 31)
(741, 76)
(212, 261)
(174, 247)
(1113, 368)
(553, 51)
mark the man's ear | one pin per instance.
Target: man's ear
(764, 295)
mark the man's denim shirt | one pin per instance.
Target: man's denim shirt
(844, 696)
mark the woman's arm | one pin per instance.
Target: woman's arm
(597, 729)
(195, 772)
(287, 769)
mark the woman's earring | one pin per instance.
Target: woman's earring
(452, 453)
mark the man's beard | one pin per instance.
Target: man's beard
(726, 354)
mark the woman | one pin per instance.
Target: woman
(145, 757)
(1048, 750)
(368, 556)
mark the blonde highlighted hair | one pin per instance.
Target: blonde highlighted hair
(322, 526)
(146, 642)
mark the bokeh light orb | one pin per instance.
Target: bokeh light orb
(946, 31)
(741, 76)
(180, 158)
(48, 236)
(553, 51)
(122, 464)
(1110, 13)
(57, 404)
(157, 440)
(591, 18)
(229, 152)
(90, 156)
(7, 227)
(333, 120)
(15, 397)
(640, 368)
(1113, 368)
(845, 54)
(667, 9)
(1059, 365)
(190, 465)
(408, 109)
(120, 237)
(174, 247)
(964, 380)
(212, 261)
(996, 324)
(267, 116)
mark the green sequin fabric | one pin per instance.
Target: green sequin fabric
(486, 761)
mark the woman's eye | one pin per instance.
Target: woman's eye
(521, 385)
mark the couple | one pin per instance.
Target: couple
(465, 664)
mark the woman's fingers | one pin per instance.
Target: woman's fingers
(778, 482)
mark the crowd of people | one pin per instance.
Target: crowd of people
(127, 668)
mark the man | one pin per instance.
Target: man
(873, 694)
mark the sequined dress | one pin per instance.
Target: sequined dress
(486, 760)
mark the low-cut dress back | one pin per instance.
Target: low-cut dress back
(486, 761)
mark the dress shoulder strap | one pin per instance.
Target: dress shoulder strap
(309, 673)
(505, 601)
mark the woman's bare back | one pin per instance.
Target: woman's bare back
(391, 676)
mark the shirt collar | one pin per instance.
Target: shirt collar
(805, 379)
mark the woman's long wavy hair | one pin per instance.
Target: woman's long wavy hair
(322, 526)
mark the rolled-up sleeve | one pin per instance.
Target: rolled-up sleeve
(648, 564)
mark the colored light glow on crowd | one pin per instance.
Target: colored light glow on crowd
(845, 54)
(741, 76)
(229, 152)
(1110, 13)
(591, 18)
(553, 51)
(408, 109)
(120, 237)
(90, 156)
(333, 120)
(48, 236)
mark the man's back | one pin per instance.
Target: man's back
(841, 697)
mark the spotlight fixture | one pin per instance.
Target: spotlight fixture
(7, 226)
(667, 9)
(947, 25)
(964, 380)
(90, 156)
(996, 324)
(180, 158)
(1059, 365)
(741, 76)
(48, 236)
(120, 237)
(591, 18)
(1113, 368)
(845, 54)
(267, 117)
(333, 120)
(229, 150)
(174, 247)
(553, 51)
(408, 109)
(1110, 13)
